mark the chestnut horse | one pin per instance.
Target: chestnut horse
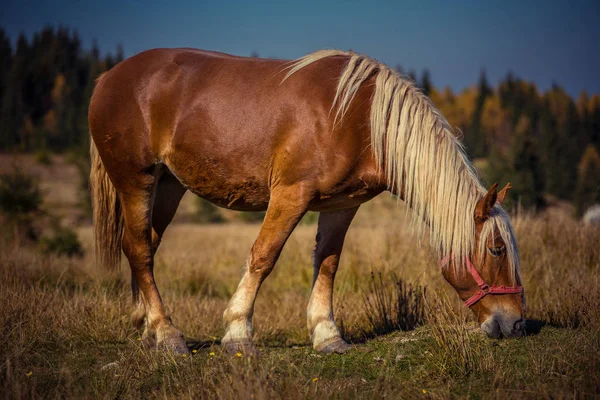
(326, 133)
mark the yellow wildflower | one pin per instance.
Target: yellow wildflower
(194, 351)
(424, 391)
(212, 353)
(29, 373)
(315, 379)
(238, 354)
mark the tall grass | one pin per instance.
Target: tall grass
(65, 325)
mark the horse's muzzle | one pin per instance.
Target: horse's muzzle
(498, 326)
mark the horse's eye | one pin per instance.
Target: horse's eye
(496, 251)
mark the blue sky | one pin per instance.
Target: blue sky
(543, 41)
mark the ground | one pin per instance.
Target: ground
(66, 329)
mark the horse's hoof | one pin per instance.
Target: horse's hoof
(176, 345)
(241, 348)
(335, 346)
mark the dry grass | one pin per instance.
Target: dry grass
(66, 332)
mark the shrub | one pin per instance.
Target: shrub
(310, 218)
(251, 217)
(207, 213)
(20, 201)
(389, 308)
(81, 161)
(64, 242)
(43, 157)
(20, 194)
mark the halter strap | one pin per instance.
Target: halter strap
(484, 288)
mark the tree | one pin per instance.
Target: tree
(475, 134)
(521, 166)
(13, 103)
(558, 145)
(5, 64)
(425, 84)
(527, 176)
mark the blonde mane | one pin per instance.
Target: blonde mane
(420, 155)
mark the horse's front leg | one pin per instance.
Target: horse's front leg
(331, 232)
(286, 207)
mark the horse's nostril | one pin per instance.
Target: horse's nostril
(519, 325)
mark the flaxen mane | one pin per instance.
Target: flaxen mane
(415, 144)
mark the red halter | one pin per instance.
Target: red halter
(484, 288)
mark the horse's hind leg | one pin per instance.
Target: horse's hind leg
(331, 232)
(168, 194)
(286, 208)
(137, 203)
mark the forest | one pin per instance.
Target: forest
(544, 142)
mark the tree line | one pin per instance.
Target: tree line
(45, 88)
(544, 143)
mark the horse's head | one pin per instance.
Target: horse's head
(490, 284)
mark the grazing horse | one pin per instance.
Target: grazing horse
(326, 133)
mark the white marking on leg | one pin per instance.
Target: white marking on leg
(323, 332)
(321, 324)
(238, 315)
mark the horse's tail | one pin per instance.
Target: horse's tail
(106, 209)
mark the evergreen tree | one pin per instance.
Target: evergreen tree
(558, 143)
(5, 67)
(425, 84)
(527, 175)
(475, 136)
(13, 112)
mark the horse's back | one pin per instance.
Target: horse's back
(226, 126)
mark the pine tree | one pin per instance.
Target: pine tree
(527, 175)
(5, 67)
(558, 143)
(475, 136)
(12, 114)
(425, 84)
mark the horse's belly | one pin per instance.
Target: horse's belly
(240, 196)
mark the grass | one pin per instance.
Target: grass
(65, 329)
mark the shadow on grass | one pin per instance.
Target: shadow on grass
(534, 327)
(194, 344)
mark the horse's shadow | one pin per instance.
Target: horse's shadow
(195, 344)
(534, 327)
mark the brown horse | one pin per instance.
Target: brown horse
(327, 133)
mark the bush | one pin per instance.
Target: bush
(20, 201)
(310, 218)
(393, 305)
(207, 213)
(251, 217)
(20, 194)
(43, 157)
(81, 161)
(64, 242)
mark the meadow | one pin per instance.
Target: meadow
(66, 330)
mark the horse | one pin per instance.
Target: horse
(325, 133)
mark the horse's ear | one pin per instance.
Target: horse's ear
(503, 192)
(486, 203)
